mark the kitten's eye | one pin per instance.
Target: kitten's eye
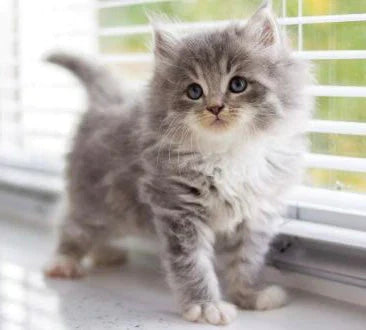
(194, 91)
(238, 84)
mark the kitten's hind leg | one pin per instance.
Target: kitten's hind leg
(76, 240)
(241, 257)
(107, 254)
(64, 266)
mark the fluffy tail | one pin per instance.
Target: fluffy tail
(100, 84)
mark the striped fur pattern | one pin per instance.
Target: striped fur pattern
(157, 164)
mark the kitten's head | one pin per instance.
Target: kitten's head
(237, 78)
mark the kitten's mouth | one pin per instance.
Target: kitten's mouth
(218, 122)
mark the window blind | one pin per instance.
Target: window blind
(40, 105)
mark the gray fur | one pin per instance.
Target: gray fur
(102, 87)
(159, 167)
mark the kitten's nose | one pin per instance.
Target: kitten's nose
(215, 109)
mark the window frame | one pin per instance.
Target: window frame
(333, 218)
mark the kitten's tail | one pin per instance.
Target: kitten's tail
(100, 84)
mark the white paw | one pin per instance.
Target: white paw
(270, 298)
(64, 267)
(217, 313)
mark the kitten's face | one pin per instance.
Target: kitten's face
(218, 85)
(213, 89)
(222, 81)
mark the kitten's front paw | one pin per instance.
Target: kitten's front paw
(64, 267)
(217, 313)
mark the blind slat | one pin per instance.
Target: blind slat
(143, 28)
(128, 58)
(322, 19)
(338, 91)
(332, 54)
(349, 164)
(337, 127)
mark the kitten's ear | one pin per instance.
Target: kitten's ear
(262, 27)
(165, 43)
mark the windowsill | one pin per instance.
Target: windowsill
(133, 296)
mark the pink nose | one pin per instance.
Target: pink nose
(215, 109)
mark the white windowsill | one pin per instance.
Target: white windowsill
(133, 296)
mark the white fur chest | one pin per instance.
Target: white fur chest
(225, 200)
(243, 187)
(228, 197)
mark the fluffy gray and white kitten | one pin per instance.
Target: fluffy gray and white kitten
(201, 159)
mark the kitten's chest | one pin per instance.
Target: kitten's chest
(228, 193)
(248, 185)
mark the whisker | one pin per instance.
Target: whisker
(172, 139)
(170, 129)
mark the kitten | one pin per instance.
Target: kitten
(201, 159)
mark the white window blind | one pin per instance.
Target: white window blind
(40, 104)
